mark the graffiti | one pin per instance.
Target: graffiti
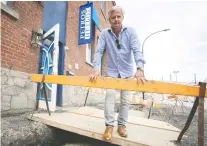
(46, 65)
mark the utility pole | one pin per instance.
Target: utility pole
(195, 77)
(176, 72)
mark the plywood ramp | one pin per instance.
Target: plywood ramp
(89, 122)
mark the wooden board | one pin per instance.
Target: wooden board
(93, 112)
(93, 126)
(121, 84)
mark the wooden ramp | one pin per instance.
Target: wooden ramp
(89, 122)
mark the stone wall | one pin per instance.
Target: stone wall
(75, 96)
(17, 91)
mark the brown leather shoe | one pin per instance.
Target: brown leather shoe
(108, 133)
(122, 131)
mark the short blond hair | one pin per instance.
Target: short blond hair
(115, 8)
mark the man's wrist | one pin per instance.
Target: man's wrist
(140, 68)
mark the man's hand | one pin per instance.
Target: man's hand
(94, 76)
(139, 76)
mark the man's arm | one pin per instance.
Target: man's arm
(135, 46)
(99, 52)
(138, 56)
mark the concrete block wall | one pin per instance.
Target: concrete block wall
(17, 91)
(75, 96)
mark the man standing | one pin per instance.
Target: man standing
(120, 43)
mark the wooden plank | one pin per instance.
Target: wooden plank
(94, 127)
(201, 114)
(134, 120)
(121, 84)
(46, 101)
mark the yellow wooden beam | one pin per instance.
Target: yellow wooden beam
(121, 84)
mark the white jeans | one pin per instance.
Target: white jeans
(109, 112)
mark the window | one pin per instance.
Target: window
(89, 54)
(4, 2)
(7, 7)
(89, 58)
(8, 4)
(89, 47)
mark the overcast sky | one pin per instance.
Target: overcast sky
(183, 48)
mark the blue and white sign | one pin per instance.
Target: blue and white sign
(85, 24)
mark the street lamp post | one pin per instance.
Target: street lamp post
(150, 36)
(145, 41)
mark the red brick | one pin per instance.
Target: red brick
(76, 54)
(17, 44)
(16, 37)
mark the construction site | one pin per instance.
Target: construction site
(47, 98)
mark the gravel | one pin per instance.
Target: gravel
(178, 119)
(17, 130)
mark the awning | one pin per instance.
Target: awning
(95, 18)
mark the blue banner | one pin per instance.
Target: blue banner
(85, 24)
(95, 19)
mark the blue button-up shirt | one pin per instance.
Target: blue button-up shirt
(119, 61)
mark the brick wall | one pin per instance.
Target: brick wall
(16, 51)
(77, 53)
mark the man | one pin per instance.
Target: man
(120, 43)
